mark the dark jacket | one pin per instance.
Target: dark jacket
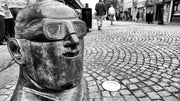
(100, 9)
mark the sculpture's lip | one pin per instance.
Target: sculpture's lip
(71, 54)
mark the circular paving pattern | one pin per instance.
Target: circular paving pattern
(145, 60)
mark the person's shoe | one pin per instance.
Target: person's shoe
(1, 43)
(99, 28)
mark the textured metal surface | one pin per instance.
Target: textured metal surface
(47, 67)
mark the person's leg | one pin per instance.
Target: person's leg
(2, 29)
(11, 27)
(14, 12)
(111, 19)
(6, 29)
(98, 21)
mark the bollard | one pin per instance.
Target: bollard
(49, 46)
(87, 16)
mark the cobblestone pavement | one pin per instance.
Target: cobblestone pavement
(143, 58)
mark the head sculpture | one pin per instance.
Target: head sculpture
(48, 46)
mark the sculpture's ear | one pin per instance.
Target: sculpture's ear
(14, 49)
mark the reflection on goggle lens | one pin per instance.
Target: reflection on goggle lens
(80, 29)
(54, 31)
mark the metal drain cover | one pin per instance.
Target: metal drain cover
(111, 85)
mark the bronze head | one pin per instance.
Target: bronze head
(48, 45)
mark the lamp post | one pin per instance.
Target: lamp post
(161, 18)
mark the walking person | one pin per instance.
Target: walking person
(111, 12)
(100, 13)
(143, 15)
(2, 20)
(137, 16)
(148, 17)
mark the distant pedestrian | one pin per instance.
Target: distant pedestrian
(148, 16)
(100, 13)
(143, 15)
(151, 16)
(2, 20)
(111, 12)
(137, 15)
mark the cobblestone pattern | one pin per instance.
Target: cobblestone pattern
(7, 92)
(5, 58)
(143, 59)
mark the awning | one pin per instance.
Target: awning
(76, 4)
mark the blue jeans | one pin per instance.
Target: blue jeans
(2, 28)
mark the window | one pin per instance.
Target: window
(177, 8)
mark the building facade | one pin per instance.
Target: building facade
(142, 9)
(175, 17)
(132, 6)
(128, 9)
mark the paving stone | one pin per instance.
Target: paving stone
(120, 98)
(97, 100)
(92, 89)
(8, 92)
(2, 91)
(8, 99)
(134, 80)
(124, 92)
(164, 93)
(113, 74)
(144, 99)
(106, 94)
(153, 95)
(139, 93)
(107, 99)
(149, 83)
(166, 80)
(167, 76)
(99, 78)
(141, 78)
(141, 84)
(163, 84)
(157, 88)
(175, 79)
(146, 89)
(3, 97)
(125, 82)
(119, 77)
(94, 95)
(130, 98)
(171, 89)
(104, 74)
(89, 78)
(154, 79)
(170, 98)
(115, 94)
(132, 87)
(86, 75)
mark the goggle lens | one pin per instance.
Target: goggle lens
(54, 31)
(59, 30)
(80, 28)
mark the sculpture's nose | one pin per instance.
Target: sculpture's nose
(71, 39)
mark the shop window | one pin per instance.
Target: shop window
(177, 9)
